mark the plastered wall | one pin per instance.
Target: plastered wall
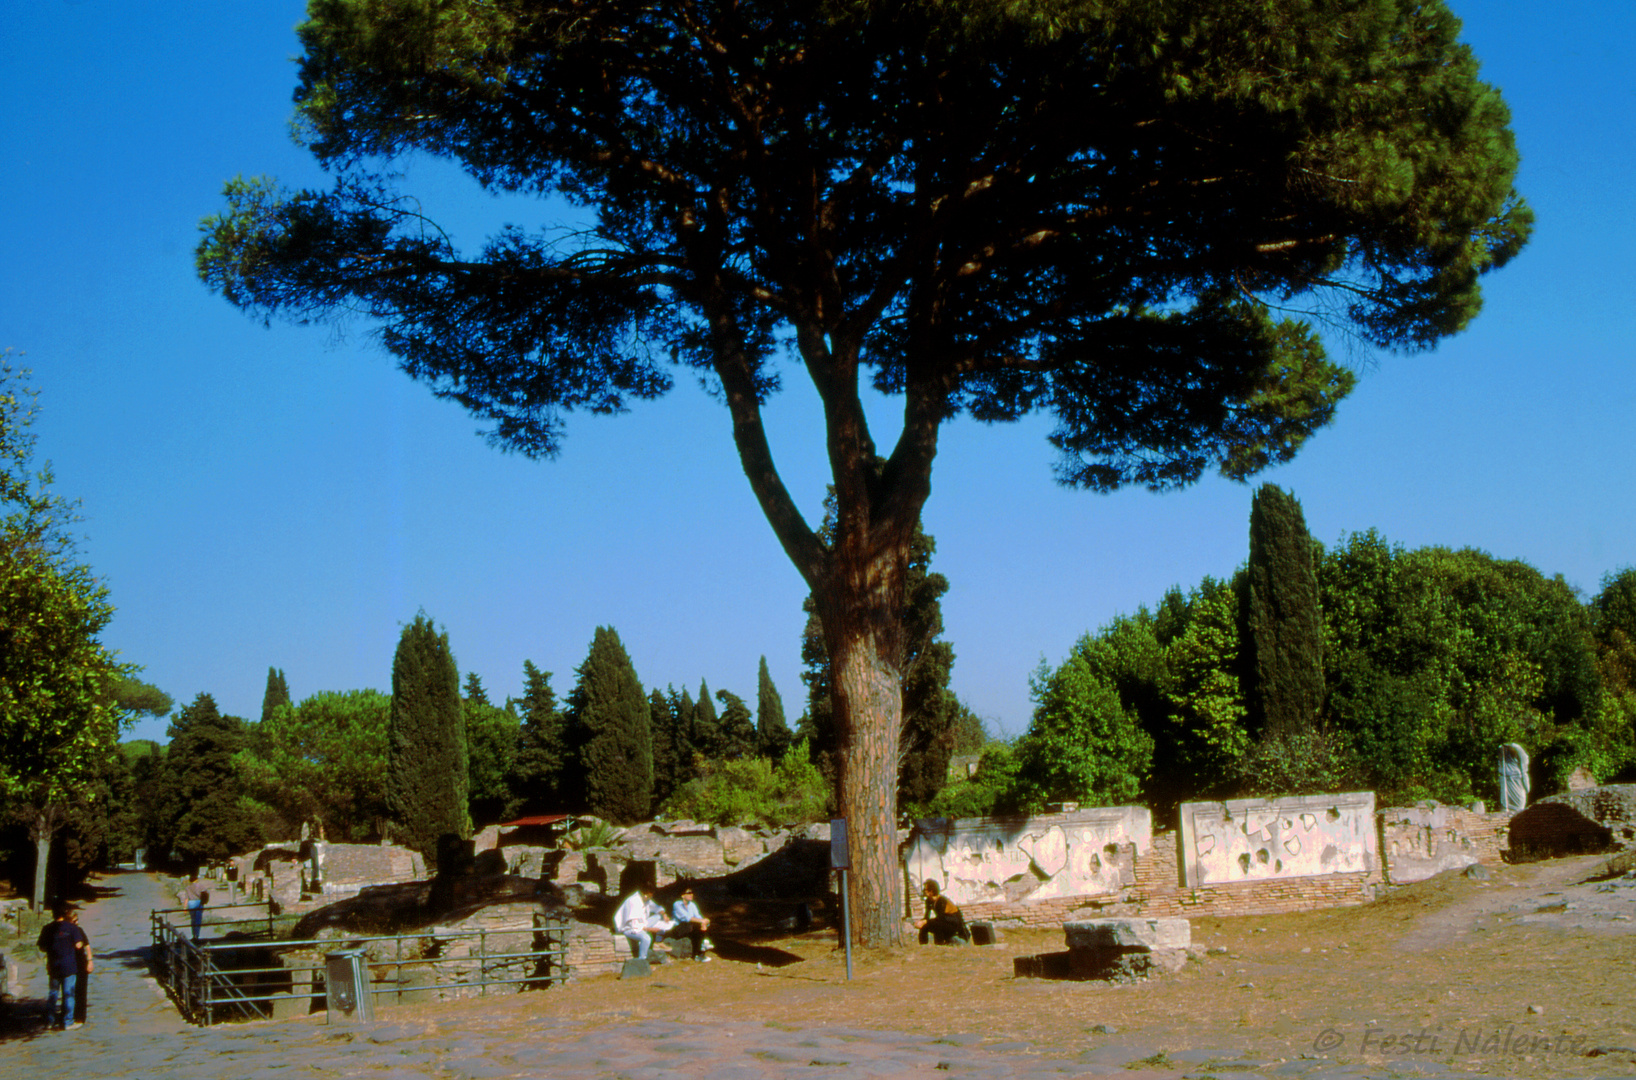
(1240, 840)
(1080, 853)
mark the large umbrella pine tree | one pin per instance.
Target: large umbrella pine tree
(1126, 213)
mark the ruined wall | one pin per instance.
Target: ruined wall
(1225, 843)
(1046, 857)
(1417, 842)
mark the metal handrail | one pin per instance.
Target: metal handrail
(190, 973)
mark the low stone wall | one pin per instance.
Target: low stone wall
(1040, 859)
(1417, 842)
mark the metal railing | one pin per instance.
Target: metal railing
(250, 974)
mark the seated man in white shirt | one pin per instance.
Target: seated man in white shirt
(633, 920)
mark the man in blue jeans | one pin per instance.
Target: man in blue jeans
(62, 942)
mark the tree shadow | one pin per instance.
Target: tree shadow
(742, 953)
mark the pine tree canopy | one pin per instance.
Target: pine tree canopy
(1085, 208)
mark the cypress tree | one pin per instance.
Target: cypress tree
(705, 734)
(662, 723)
(426, 775)
(772, 733)
(538, 779)
(737, 727)
(612, 735)
(1283, 623)
(276, 694)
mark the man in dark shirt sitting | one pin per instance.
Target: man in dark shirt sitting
(943, 922)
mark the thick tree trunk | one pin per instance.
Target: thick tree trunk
(863, 628)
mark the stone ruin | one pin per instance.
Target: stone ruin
(1114, 950)
(1586, 821)
(298, 877)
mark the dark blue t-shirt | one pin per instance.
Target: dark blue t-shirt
(58, 941)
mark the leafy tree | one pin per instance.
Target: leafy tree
(276, 694)
(324, 763)
(736, 726)
(538, 779)
(611, 738)
(1206, 732)
(427, 763)
(993, 789)
(1115, 212)
(491, 744)
(757, 790)
(772, 732)
(1082, 744)
(1437, 656)
(59, 709)
(1283, 639)
(201, 813)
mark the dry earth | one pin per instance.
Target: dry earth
(1524, 974)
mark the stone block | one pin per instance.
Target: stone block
(1041, 966)
(635, 969)
(1129, 934)
(984, 933)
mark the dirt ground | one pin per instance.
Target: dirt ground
(1526, 973)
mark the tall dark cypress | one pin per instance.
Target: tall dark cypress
(662, 724)
(772, 732)
(276, 694)
(706, 731)
(611, 732)
(537, 779)
(1283, 639)
(426, 775)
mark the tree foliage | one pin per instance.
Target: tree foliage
(323, 763)
(538, 779)
(427, 763)
(276, 694)
(1283, 640)
(60, 711)
(1126, 214)
(788, 791)
(773, 735)
(201, 811)
(610, 736)
(491, 746)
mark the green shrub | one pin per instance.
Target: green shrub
(753, 790)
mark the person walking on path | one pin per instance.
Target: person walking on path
(82, 977)
(62, 942)
(194, 898)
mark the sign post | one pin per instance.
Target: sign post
(840, 860)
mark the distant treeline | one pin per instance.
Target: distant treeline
(1364, 666)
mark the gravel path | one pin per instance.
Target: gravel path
(133, 1031)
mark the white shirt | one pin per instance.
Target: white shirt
(632, 916)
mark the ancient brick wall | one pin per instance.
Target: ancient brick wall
(1158, 892)
(1417, 842)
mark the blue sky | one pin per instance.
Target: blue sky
(284, 497)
